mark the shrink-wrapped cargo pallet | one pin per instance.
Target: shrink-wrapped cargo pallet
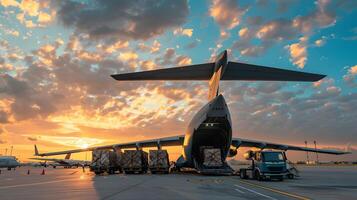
(212, 157)
(159, 161)
(134, 161)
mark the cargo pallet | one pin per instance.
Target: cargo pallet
(163, 170)
(135, 171)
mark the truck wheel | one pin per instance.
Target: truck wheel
(290, 176)
(257, 176)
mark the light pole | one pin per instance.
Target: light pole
(307, 154)
(317, 155)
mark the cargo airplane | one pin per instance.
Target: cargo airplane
(9, 162)
(212, 125)
(66, 162)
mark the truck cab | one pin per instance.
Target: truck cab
(266, 164)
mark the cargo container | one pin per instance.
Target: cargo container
(105, 161)
(159, 161)
(212, 158)
(135, 161)
(212, 162)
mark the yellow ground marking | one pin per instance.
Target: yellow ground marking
(275, 190)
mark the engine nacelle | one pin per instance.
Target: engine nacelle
(232, 152)
(249, 155)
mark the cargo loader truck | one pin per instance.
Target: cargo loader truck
(265, 165)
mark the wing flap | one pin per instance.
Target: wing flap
(248, 72)
(239, 142)
(190, 72)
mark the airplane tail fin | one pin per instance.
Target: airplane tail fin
(220, 70)
(68, 156)
(36, 151)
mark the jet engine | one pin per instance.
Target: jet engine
(232, 152)
(249, 155)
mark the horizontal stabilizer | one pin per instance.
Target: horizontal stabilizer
(191, 72)
(248, 72)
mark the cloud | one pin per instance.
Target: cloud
(153, 48)
(353, 70)
(302, 113)
(137, 19)
(193, 44)
(320, 42)
(171, 58)
(184, 31)
(260, 36)
(33, 139)
(226, 13)
(7, 3)
(298, 52)
(350, 76)
(31, 9)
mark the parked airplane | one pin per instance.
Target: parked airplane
(66, 162)
(9, 162)
(212, 125)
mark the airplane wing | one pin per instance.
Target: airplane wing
(166, 141)
(190, 72)
(249, 72)
(239, 142)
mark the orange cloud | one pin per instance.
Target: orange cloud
(298, 52)
(353, 70)
(181, 31)
(226, 13)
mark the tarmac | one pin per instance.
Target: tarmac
(317, 182)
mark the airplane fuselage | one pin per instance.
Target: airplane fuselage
(8, 162)
(210, 127)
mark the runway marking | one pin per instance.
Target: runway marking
(276, 191)
(238, 190)
(40, 183)
(258, 193)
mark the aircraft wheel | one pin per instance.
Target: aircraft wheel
(9, 168)
(242, 174)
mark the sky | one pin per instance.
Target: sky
(56, 58)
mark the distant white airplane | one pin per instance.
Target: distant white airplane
(9, 162)
(66, 162)
(212, 125)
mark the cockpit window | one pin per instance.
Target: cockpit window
(273, 157)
